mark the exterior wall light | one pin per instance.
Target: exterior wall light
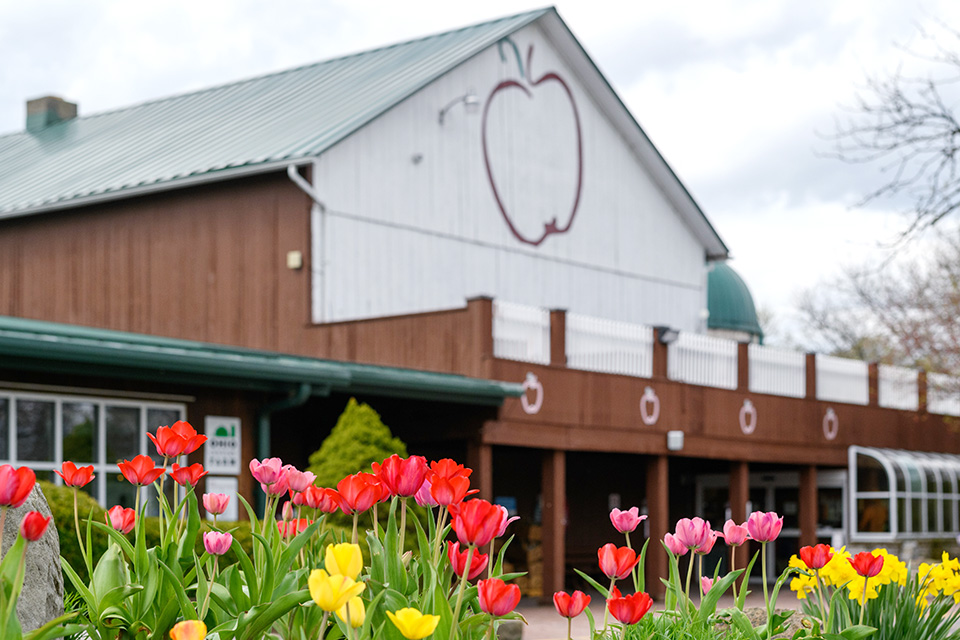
(666, 335)
(674, 440)
(470, 103)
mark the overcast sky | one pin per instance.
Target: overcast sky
(733, 93)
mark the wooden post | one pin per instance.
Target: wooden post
(658, 510)
(558, 337)
(480, 459)
(743, 366)
(481, 314)
(554, 488)
(659, 359)
(922, 391)
(811, 376)
(739, 495)
(873, 384)
(809, 506)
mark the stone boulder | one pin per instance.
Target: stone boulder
(42, 597)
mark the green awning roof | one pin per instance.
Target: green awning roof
(64, 348)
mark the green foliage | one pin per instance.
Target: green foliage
(60, 500)
(358, 439)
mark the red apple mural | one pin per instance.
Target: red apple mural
(549, 186)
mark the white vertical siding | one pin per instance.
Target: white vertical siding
(521, 332)
(943, 394)
(777, 371)
(608, 346)
(703, 360)
(898, 388)
(842, 380)
(412, 223)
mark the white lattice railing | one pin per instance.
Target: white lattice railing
(842, 380)
(777, 371)
(609, 346)
(898, 388)
(703, 360)
(521, 332)
(943, 394)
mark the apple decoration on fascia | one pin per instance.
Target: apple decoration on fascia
(533, 151)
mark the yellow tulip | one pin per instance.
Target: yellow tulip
(188, 630)
(357, 613)
(344, 559)
(332, 592)
(413, 624)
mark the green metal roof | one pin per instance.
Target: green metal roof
(729, 301)
(62, 348)
(277, 118)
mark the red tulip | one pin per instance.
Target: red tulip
(458, 560)
(476, 522)
(215, 503)
(448, 491)
(121, 519)
(359, 492)
(326, 500)
(617, 562)
(816, 557)
(402, 476)
(570, 606)
(629, 609)
(189, 434)
(497, 597)
(15, 485)
(168, 443)
(291, 528)
(187, 475)
(140, 471)
(74, 476)
(764, 527)
(626, 521)
(866, 564)
(447, 469)
(33, 526)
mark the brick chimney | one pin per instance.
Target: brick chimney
(48, 110)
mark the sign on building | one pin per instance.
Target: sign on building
(221, 453)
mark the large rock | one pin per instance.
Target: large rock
(42, 597)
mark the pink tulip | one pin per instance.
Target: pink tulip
(423, 497)
(692, 533)
(707, 546)
(299, 480)
(215, 503)
(675, 546)
(278, 488)
(706, 583)
(505, 520)
(764, 527)
(735, 534)
(267, 472)
(217, 543)
(626, 521)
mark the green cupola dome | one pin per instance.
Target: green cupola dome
(730, 303)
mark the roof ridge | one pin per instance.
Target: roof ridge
(282, 72)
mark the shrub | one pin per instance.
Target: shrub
(60, 500)
(358, 439)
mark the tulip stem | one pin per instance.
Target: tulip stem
(376, 521)
(863, 598)
(606, 610)
(733, 567)
(686, 605)
(455, 622)
(3, 517)
(569, 628)
(441, 523)
(766, 598)
(76, 524)
(700, 574)
(356, 518)
(823, 608)
(206, 598)
(493, 621)
(403, 523)
(323, 625)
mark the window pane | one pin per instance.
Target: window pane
(871, 476)
(916, 520)
(123, 434)
(787, 503)
(933, 507)
(947, 508)
(902, 515)
(831, 507)
(159, 418)
(35, 430)
(4, 429)
(80, 432)
(119, 491)
(873, 514)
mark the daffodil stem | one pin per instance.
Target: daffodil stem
(323, 625)
(455, 622)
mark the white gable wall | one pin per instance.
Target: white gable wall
(412, 223)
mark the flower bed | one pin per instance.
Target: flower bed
(306, 579)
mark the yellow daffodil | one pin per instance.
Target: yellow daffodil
(357, 613)
(188, 630)
(332, 592)
(802, 584)
(344, 559)
(413, 624)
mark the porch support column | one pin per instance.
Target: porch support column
(739, 495)
(554, 486)
(480, 459)
(808, 505)
(658, 510)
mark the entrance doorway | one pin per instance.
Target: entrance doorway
(779, 491)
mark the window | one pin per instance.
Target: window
(40, 431)
(903, 494)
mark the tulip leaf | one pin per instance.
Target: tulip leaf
(53, 629)
(442, 609)
(249, 573)
(857, 632)
(118, 594)
(593, 583)
(186, 607)
(80, 585)
(742, 596)
(261, 617)
(266, 584)
(708, 605)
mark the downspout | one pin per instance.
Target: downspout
(318, 222)
(296, 399)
